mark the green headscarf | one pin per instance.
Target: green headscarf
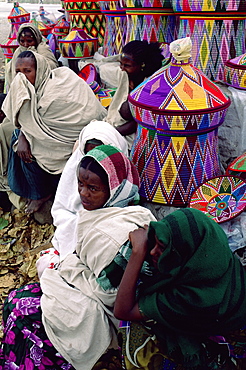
(200, 288)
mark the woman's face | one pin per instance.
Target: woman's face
(93, 192)
(27, 39)
(156, 252)
(127, 64)
(27, 67)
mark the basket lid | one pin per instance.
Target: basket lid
(179, 88)
(221, 198)
(239, 164)
(77, 35)
(17, 11)
(238, 62)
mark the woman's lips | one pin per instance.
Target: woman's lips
(84, 202)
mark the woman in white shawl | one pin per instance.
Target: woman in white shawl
(77, 298)
(49, 108)
(29, 38)
(67, 201)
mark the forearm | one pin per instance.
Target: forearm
(126, 306)
(127, 128)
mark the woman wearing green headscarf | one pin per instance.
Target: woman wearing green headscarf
(195, 296)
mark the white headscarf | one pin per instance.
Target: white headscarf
(67, 200)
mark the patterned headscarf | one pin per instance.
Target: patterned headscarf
(122, 175)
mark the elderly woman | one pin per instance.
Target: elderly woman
(77, 298)
(188, 315)
(49, 109)
(29, 38)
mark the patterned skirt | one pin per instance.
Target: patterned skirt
(25, 345)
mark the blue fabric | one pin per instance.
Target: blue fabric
(29, 180)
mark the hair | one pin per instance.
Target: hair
(28, 54)
(145, 53)
(27, 29)
(95, 142)
(92, 165)
(2, 97)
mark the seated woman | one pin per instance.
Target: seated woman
(74, 322)
(49, 108)
(29, 38)
(189, 314)
(139, 59)
(67, 202)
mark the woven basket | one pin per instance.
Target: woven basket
(78, 44)
(178, 111)
(235, 72)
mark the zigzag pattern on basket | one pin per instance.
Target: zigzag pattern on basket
(209, 5)
(93, 24)
(214, 41)
(170, 168)
(235, 72)
(148, 4)
(171, 122)
(150, 27)
(115, 35)
(72, 5)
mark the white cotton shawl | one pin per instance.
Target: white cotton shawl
(121, 95)
(77, 312)
(42, 48)
(52, 113)
(67, 201)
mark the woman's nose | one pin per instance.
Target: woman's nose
(83, 191)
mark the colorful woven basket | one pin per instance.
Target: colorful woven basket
(18, 15)
(235, 72)
(216, 29)
(44, 28)
(86, 15)
(78, 44)
(178, 110)
(208, 5)
(89, 75)
(9, 48)
(115, 29)
(61, 28)
(151, 24)
(221, 198)
(238, 167)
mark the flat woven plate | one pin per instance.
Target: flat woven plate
(88, 73)
(221, 198)
(239, 164)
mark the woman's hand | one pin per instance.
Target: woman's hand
(139, 241)
(126, 306)
(23, 148)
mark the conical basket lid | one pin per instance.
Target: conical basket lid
(179, 89)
